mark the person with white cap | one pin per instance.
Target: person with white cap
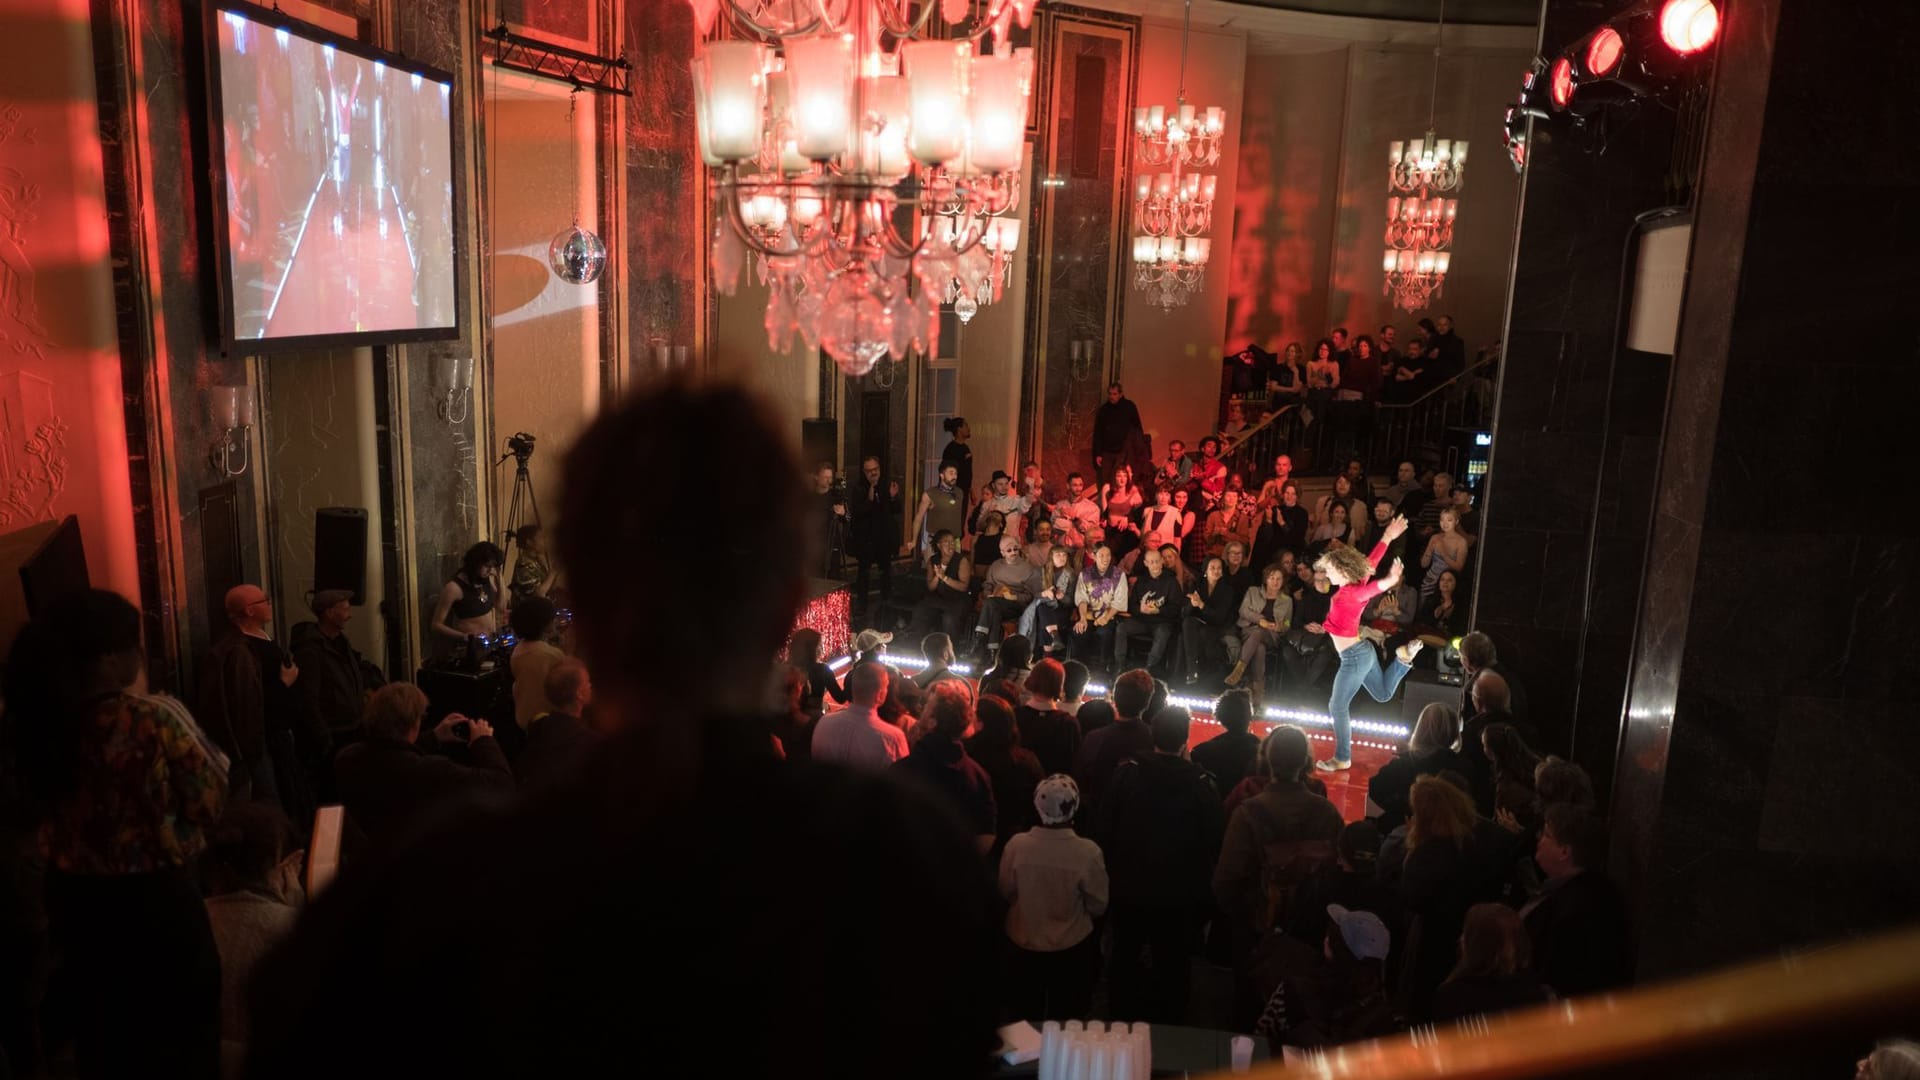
(1055, 882)
(1344, 1000)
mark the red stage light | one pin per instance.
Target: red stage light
(1604, 52)
(1560, 84)
(1687, 26)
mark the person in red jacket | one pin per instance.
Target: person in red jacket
(1355, 584)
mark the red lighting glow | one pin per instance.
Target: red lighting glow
(1687, 26)
(1560, 83)
(1604, 51)
(831, 615)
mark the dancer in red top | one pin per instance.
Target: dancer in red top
(1353, 575)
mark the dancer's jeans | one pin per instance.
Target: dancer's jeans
(1359, 667)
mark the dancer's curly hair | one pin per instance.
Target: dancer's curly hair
(1352, 565)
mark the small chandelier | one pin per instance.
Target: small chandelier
(863, 165)
(1419, 222)
(1174, 209)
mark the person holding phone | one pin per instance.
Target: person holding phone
(389, 782)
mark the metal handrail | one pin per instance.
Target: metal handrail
(1850, 988)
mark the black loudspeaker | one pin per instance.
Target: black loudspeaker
(340, 550)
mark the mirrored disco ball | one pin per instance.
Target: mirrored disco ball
(577, 255)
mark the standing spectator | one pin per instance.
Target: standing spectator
(1160, 826)
(1287, 381)
(1154, 612)
(249, 706)
(1211, 620)
(1117, 433)
(1429, 751)
(121, 786)
(533, 572)
(1120, 496)
(937, 648)
(1282, 475)
(940, 760)
(1512, 762)
(1410, 376)
(1228, 756)
(1358, 394)
(1099, 599)
(256, 898)
(1388, 335)
(1494, 974)
(1275, 841)
(1055, 884)
(1076, 519)
(1011, 585)
(1578, 923)
(831, 498)
(335, 679)
(561, 738)
(1161, 524)
(1102, 750)
(533, 656)
(959, 455)
(998, 497)
(1323, 379)
(1438, 883)
(803, 655)
(1075, 693)
(1193, 542)
(389, 785)
(943, 508)
(856, 735)
(1446, 347)
(1345, 999)
(1014, 769)
(1049, 731)
(875, 534)
(520, 928)
(1015, 663)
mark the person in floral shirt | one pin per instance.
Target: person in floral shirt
(123, 784)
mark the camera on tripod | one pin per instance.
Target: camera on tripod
(520, 445)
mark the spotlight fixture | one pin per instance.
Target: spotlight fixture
(1604, 51)
(1688, 26)
(1560, 83)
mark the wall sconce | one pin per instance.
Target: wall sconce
(1083, 355)
(455, 375)
(231, 408)
(670, 357)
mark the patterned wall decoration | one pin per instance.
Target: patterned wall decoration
(1087, 59)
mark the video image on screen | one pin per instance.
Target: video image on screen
(339, 189)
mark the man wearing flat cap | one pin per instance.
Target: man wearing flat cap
(334, 678)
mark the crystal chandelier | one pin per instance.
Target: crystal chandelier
(862, 165)
(1174, 209)
(1419, 222)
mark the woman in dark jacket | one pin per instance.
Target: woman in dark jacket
(1212, 620)
(1495, 971)
(1284, 526)
(1014, 770)
(803, 655)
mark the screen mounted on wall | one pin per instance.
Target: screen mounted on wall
(336, 184)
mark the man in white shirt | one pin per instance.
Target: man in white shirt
(999, 498)
(856, 735)
(1076, 520)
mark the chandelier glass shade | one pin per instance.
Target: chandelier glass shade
(1173, 210)
(862, 166)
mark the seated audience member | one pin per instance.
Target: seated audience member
(1893, 1059)
(1309, 655)
(858, 734)
(1012, 583)
(1283, 526)
(1050, 732)
(1040, 542)
(1275, 841)
(986, 544)
(803, 654)
(1161, 524)
(1013, 768)
(1013, 664)
(949, 576)
(1055, 885)
(1211, 620)
(939, 759)
(792, 726)
(1446, 550)
(123, 910)
(1493, 974)
(561, 737)
(1443, 616)
(1228, 756)
(1153, 612)
(334, 678)
(1339, 528)
(1440, 499)
(1345, 999)
(1239, 576)
(937, 648)
(1578, 923)
(523, 930)
(533, 656)
(389, 785)
(1074, 693)
(1159, 824)
(1266, 614)
(1429, 750)
(1193, 540)
(1230, 524)
(1406, 481)
(1445, 873)
(1103, 749)
(255, 899)
(1123, 536)
(1100, 598)
(1046, 620)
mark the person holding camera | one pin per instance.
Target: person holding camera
(389, 783)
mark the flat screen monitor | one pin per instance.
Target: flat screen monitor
(337, 216)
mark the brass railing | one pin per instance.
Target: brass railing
(1856, 991)
(1251, 452)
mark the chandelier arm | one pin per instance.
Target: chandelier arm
(904, 29)
(765, 35)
